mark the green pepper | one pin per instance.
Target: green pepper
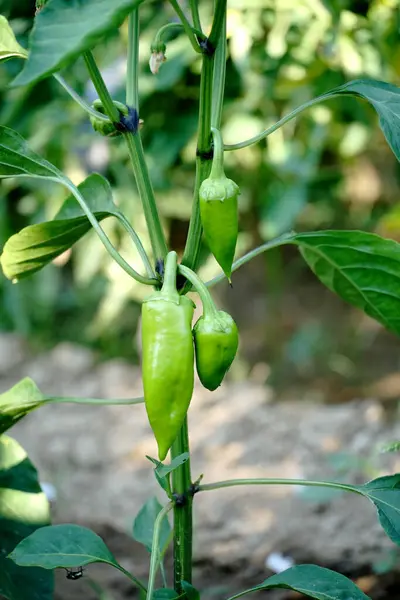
(218, 197)
(216, 337)
(106, 128)
(168, 358)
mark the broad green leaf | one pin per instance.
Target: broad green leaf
(143, 526)
(23, 508)
(362, 268)
(314, 582)
(384, 492)
(9, 47)
(37, 245)
(17, 159)
(64, 546)
(385, 98)
(17, 402)
(64, 29)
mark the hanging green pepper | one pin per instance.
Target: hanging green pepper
(215, 335)
(168, 358)
(218, 197)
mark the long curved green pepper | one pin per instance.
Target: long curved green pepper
(216, 337)
(168, 358)
(218, 197)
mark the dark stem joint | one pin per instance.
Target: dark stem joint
(179, 499)
(207, 47)
(205, 154)
(194, 488)
(128, 123)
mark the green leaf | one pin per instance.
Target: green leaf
(362, 268)
(66, 546)
(164, 470)
(23, 508)
(17, 402)
(17, 159)
(37, 245)
(385, 98)
(384, 492)
(143, 526)
(9, 47)
(190, 591)
(64, 29)
(314, 582)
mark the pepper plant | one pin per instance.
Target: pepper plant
(362, 268)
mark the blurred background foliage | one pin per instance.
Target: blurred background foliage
(330, 168)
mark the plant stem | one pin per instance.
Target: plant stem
(132, 77)
(155, 546)
(219, 16)
(209, 307)
(286, 238)
(82, 103)
(217, 167)
(95, 401)
(146, 193)
(219, 79)
(304, 482)
(139, 246)
(113, 252)
(193, 242)
(181, 482)
(260, 136)
(186, 25)
(104, 95)
(194, 7)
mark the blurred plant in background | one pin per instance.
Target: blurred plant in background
(331, 168)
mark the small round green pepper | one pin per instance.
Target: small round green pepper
(216, 337)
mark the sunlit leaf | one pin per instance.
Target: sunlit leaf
(37, 245)
(64, 29)
(23, 508)
(9, 47)
(17, 402)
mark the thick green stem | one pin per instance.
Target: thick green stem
(183, 526)
(139, 246)
(192, 249)
(209, 307)
(146, 193)
(219, 79)
(132, 76)
(219, 16)
(104, 95)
